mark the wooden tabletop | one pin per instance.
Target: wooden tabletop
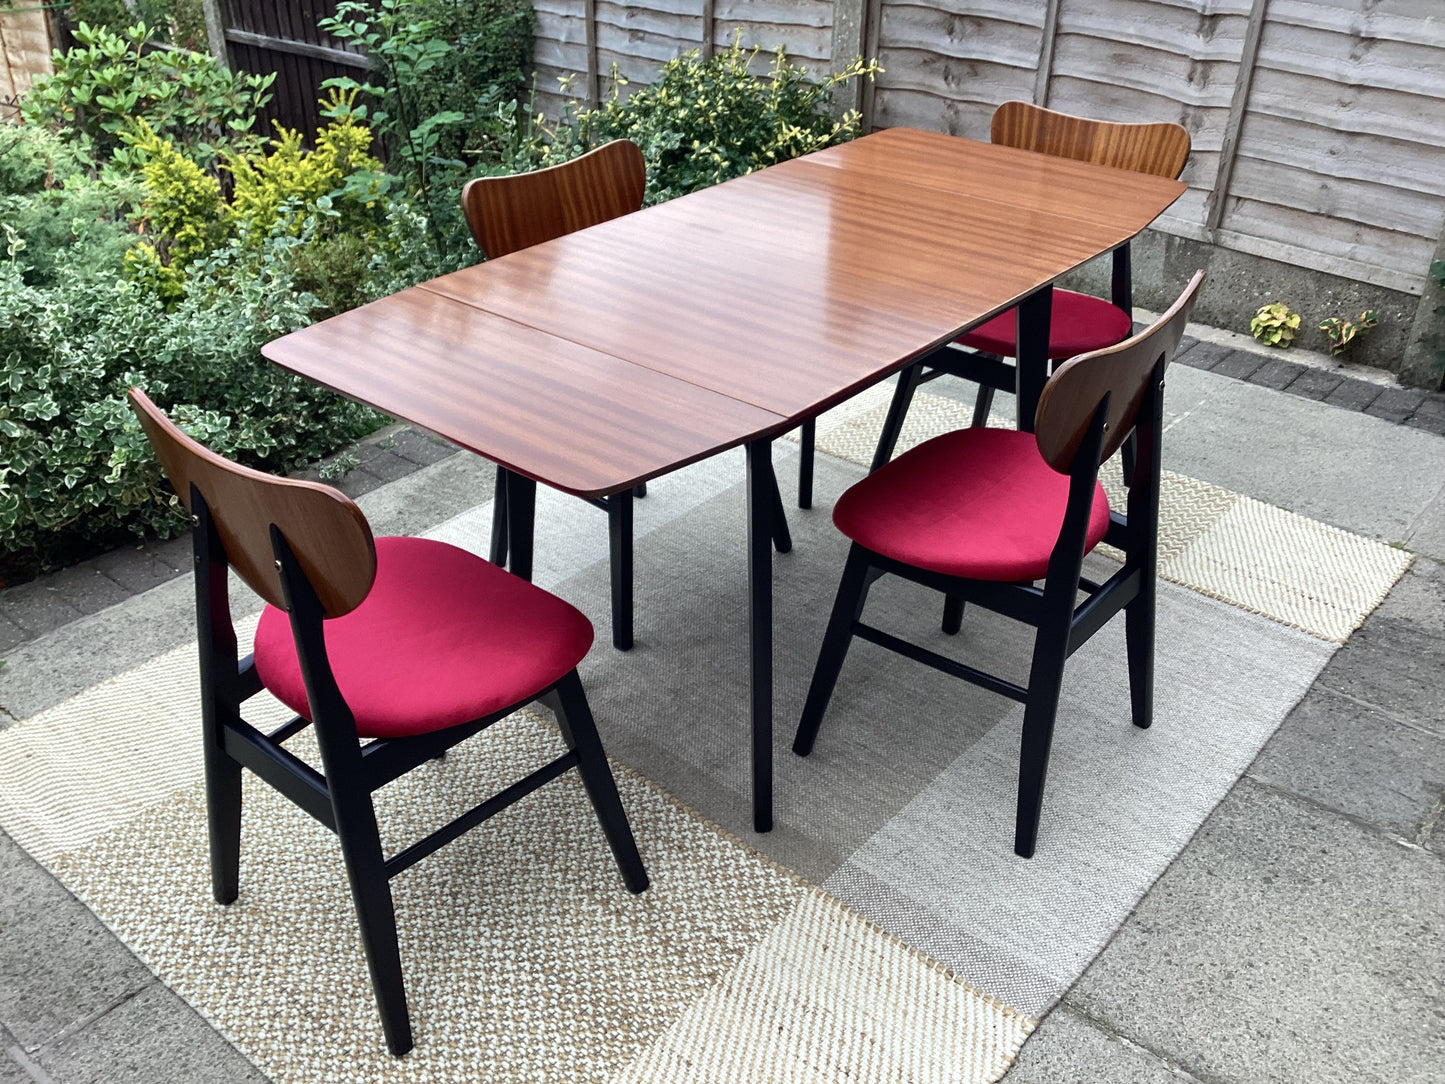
(619, 352)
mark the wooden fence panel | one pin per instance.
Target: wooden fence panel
(281, 36)
(639, 38)
(26, 39)
(1342, 147)
(1150, 60)
(947, 65)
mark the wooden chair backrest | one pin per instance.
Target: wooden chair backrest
(325, 530)
(511, 213)
(1159, 148)
(1073, 394)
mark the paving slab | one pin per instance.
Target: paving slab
(153, 1037)
(134, 568)
(37, 607)
(11, 1069)
(1354, 758)
(1287, 945)
(1239, 364)
(1427, 533)
(1343, 468)
(58, 964)
(1067, 1049)
(1202, 355)
(11, 634)
(1277, 373)
(1412, 615)
(1315, 383)
(422, 448)
(86, 588)
(1398, 674)
(1396, 404)
(1354, 394)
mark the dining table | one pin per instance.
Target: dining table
(613, 355)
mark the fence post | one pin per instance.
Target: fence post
(849, 30)
(1229, 149)
(708, 7)
(1046, 53)
(1419, 366)
(594, 77)
(216, 31)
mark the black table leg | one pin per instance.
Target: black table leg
(1033, 353)
(619, 535)
(499, 519)
(521, 513)
(761, 490)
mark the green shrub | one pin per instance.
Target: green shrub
(109, 81)
(49, 201)
(75, 473)
(706, 121)
(181, 22)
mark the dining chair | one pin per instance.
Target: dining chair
(983, 514)
(514, 212)
(395, 649)
(1078, 323)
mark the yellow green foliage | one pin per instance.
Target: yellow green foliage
(184, 216)
(183, 211)
(284, 170)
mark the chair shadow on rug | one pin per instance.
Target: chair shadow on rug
(982, 514)
(395, 648)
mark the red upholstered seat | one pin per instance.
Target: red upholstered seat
(1078, 323)
(980, 503)
(443, 638)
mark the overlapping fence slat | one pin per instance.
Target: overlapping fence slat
(1324, 146)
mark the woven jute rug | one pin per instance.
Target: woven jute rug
(526, 959)
(927, 954)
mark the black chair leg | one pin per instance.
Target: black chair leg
(371, 894)
(847, 607)
(223, 816)
(1129, 456)
(807, 439)
(952, 614)
(1139, 631)
(1046, 678)
(908, 381)
(782, 537)
(982, 406)
(619, 534)
(499, 520)
(580, 733)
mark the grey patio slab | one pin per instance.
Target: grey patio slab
(58, 964)
(1343, 468)
(1402, 680)
(11, 634)
(12, 1064)
(153, 1037)
(1066, 1049)
(37, 607)
(1356, 759)
(1287, 944)
(1427, 534)
(1414, 608)
(134, 568)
